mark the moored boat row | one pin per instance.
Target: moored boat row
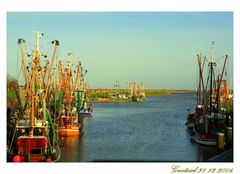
(211, 117)
(50, 106)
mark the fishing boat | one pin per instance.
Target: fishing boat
(70, 98)
(69, 124)
(136, 91)
(34, 137)
(86, 110)
(103, 100)
(86, 106)
(86, 113)
(212, 120)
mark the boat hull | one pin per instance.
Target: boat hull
(206, 139)
(32, 158)
(86, 114)
(103, 100)
(206, 142)
(69, 130)
(34, 149)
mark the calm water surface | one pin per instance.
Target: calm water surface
(153, 130)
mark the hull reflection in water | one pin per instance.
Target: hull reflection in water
(205, 152)
(153, 130)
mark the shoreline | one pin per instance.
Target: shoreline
(11, 97)
(148, 92)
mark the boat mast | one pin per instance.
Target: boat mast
(68, 86)
(34, 98)
(201, 82)
(77, 78)
(211, 64)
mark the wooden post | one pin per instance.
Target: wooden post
(229, 136)
(220, 141)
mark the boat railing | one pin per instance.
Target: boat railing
(35, 151)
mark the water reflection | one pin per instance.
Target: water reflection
(205, 152)
(147, 131)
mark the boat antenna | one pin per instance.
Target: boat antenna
(33, 31)
(212, 53)
(39, 34)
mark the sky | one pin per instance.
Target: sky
(156, 48)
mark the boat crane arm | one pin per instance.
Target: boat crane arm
(20, 43)
(45, 73)
(223, 69)
(51, 67)
(220, 80)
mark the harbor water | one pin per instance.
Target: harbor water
(153, 130)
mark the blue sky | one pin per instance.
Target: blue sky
(156, 48)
